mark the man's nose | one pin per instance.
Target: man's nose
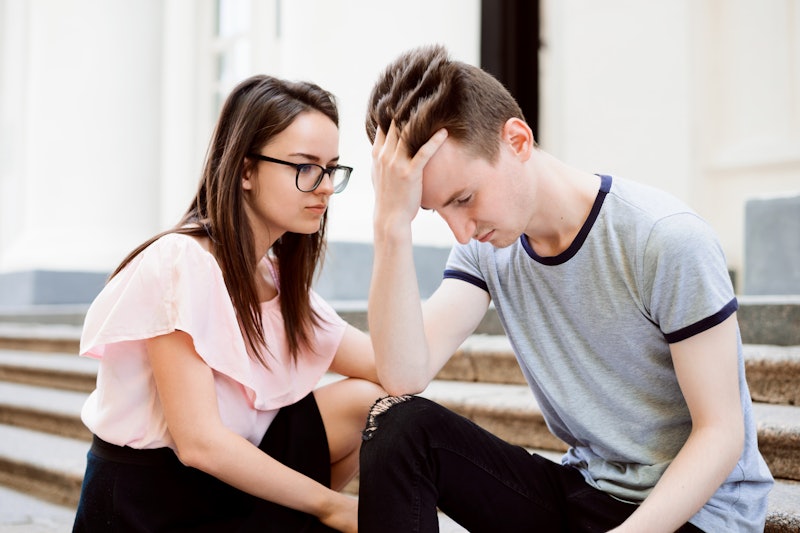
(463, 228)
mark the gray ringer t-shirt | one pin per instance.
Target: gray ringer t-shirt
(591, 329)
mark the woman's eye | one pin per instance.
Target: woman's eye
(306, 169)
(464, 200)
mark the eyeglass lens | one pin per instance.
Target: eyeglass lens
(310, 176)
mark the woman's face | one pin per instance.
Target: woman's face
(273, 202)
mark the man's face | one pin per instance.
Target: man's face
(478, 199)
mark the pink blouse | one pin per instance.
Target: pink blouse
(175, 284)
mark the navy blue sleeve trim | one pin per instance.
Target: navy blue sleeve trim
(703, 325)
(457, 274)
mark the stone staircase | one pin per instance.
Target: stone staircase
(43, 385)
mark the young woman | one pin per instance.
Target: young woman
(211, 342)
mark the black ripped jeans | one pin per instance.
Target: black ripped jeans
(417, 456)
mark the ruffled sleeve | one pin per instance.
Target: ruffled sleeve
(175, 284)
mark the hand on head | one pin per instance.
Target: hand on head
(397, 177)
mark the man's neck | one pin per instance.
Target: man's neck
(565, 197)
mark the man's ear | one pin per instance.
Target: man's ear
(519, 137)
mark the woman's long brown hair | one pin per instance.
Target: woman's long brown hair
(256, 110)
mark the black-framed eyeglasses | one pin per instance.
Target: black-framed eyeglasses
(309, 175)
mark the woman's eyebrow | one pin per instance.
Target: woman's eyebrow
(313, 158)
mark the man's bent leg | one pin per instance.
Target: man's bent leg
(417, 455)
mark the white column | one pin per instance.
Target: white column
(82, 122)
(13, 102)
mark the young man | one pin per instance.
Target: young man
(617, 302)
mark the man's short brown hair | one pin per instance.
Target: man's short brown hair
(423, 91)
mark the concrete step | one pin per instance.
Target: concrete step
(511, 413)
(507, 410)
(773, 372)
(773, 320)
(45, 465)
(57, 370)
(783, 514)
(44, 409)
(64, 338)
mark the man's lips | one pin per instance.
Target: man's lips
(486, 236)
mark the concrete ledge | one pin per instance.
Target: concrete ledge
(44, 409)
(36, 287)
(772, 249)
(39, 337)
(783, 513)
(770, 319)
(773, 373)
(49, 466)
(762, 319)
(779, 438)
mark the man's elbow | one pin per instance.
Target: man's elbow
(395, 386)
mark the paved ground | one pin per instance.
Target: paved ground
(20, 513)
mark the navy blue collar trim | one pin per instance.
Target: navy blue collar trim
(569, 253)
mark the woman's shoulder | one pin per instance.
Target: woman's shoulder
(181, 242)
(171, 261)
(175, 251)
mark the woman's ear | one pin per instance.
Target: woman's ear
(248, 176)
(518, 135)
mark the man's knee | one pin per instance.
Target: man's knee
(404, 416)
(382, 412)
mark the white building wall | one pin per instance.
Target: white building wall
(616, 92)
(747, 117)
(106, 107)
(80, 126)
(697, 97)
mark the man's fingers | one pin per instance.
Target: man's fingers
(427, 150)
(391, 145)
(377, 144)
(386, 143)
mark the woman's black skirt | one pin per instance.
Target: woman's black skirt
(130, 490)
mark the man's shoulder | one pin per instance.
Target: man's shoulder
(645, 200)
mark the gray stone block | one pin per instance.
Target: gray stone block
(348, 270)
(49, 287)
(772, 246)
(345, 276)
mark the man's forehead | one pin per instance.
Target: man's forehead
(435, 191)
(444, 175)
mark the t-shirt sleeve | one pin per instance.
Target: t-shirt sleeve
(464, 264)
(686, 277)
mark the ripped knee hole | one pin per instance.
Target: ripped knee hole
(380, 406)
